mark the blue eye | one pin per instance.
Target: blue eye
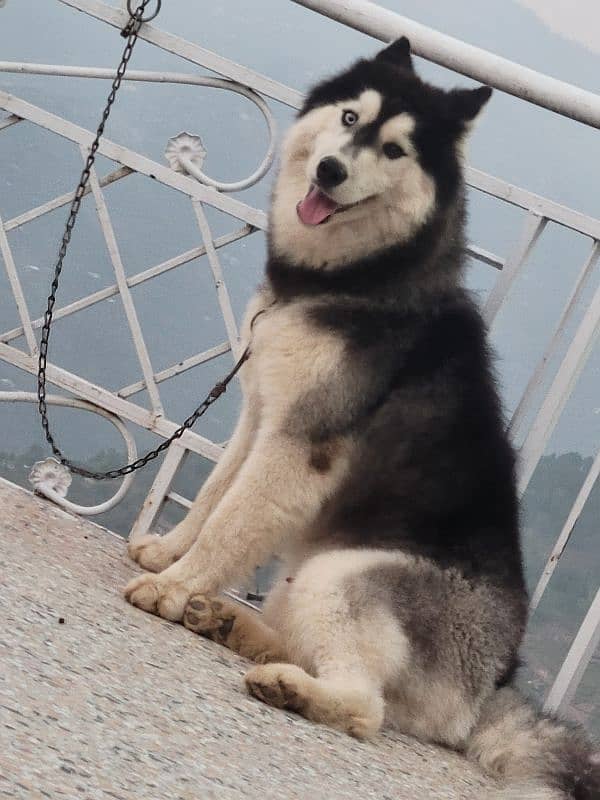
(349, 118)
(393, 150)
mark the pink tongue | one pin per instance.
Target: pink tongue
(316, 207)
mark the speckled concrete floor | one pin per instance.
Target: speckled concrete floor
(99, 700)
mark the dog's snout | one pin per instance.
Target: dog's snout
(331, 172)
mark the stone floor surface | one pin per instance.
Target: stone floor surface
(99, 700)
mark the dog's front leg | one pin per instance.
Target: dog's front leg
(275, 496)
(156, 553)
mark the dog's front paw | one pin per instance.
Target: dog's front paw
(158, 595)
(151, 552)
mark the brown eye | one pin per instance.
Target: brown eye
(393, 150)
(349, 118)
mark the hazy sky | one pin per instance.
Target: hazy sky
(579, 20)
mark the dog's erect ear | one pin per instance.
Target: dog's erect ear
(397, 53)
(465, 104)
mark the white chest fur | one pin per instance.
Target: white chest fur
(290, 355)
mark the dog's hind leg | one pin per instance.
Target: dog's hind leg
(347, 701)
(345, 648)
(228, 623)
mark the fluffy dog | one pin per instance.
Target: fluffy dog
(371, 454)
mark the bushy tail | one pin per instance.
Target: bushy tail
(535, 755)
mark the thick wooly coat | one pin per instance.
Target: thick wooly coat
(371, 453)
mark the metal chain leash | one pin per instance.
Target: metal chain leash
(130, 32)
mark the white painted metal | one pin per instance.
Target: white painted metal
(188, 166)
(189, 255)
(520, 413)
(126, 298)
(559, 392)
(479, 254)
(193, 53)
(180, 500)
(70, 402)
(50, 474)
(176, 78)
(99, 396)
(62, 200)
(565, 534)
(573, 668)
(475, 178)
(17, 290)
(135, 161)
(155, 499)
(532, 230)
(146, 76)
(542, 206)
(185, 144)
(222, 293)
(515, 79)
(177, 369)
(134, 280)
(12, 119)
(535, 87)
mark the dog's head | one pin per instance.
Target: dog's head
(374, 152)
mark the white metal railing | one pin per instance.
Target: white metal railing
(184, 176)
(515, 79)
(181, 160)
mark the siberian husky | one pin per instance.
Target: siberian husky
(371, 454)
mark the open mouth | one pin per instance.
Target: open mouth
(317, 207)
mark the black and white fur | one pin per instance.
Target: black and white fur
(371, 453)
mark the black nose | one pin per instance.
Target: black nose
(331, 172)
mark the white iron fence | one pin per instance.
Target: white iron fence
(533, 420)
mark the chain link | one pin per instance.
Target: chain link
(130, 32)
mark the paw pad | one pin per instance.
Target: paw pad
(275, 690)
(209, 617)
